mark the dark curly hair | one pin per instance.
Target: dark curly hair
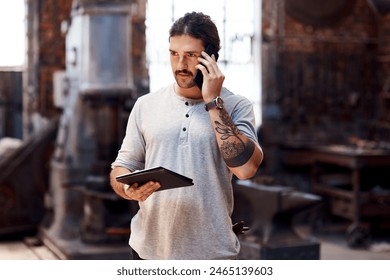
(197, 25)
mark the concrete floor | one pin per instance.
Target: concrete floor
(330, 250)
(334, 245)
(332, 240)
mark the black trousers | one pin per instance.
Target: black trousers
(135, 255)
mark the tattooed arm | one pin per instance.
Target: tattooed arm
(241, 155)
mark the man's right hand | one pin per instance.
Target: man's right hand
(133, 192)
(140, 193)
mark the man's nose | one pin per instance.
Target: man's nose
(182, 63)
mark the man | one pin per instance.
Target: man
(206, 134)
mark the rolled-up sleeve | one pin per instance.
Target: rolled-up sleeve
(244, 118)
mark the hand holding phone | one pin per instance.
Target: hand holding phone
(198, 79)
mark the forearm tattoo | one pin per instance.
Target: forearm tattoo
(235, 153)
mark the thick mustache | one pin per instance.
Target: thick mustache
(185, 72)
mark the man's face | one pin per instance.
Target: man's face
(184, 52)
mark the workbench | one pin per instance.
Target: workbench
(355, 181)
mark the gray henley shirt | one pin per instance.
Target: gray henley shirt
(193, 222)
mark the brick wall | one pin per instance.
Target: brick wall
(322, 82)
(51, 50)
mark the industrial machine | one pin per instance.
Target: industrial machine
(23, 180)
(86, 219)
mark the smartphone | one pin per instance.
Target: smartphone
(198, 79)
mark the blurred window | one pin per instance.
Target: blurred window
(12, 33)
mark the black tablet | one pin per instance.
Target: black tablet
(168, 179)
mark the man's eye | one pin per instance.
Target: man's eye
(192, 55)
(174, 54)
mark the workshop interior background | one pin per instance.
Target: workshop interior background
(324, 87)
